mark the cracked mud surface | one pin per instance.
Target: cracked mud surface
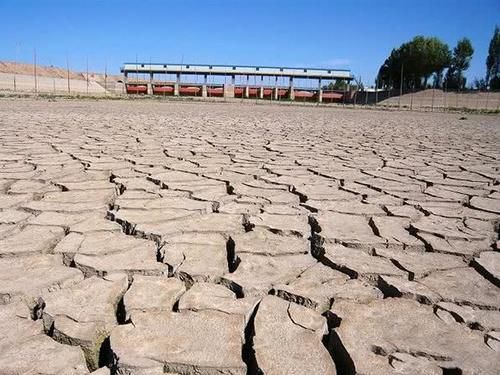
(149, 238)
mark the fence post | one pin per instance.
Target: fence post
(343, 97)
(87, 75)
(445, 96)
(67, 70)
(17, 52)
(34, 67)
(106, 79)
(432, 103)
(411, 96)
(401, 87)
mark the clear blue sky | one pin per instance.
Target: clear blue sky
(354, 34)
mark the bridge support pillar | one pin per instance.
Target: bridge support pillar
(150, 84)
(228, 91)
(125, 79)
(204, 87)
(291, 93)
(247, 89)
(275, 91)
(177, 84)
(320, 92)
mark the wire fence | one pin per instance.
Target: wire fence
(39, 79)
(432, 100)
(35, 77)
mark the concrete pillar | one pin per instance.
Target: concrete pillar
(261, 91)
(125, 79)
(275, 91)
(150, 84)
(291, 94)
(177, 84)
(228, 91)
(320, 92)
(204, 87)
(247, 89)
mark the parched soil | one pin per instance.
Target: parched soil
(139, 237)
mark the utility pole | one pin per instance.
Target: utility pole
(34, 65)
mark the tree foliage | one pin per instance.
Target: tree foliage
(480, 84)
(341, 85)
(419, 59)
(493, 61)
(460, 62)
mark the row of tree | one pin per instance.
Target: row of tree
(493, 62)
(413, 63)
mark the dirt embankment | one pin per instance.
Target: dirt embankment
(50, 71)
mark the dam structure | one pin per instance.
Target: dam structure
(235, 81)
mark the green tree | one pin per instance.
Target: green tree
(493, 61)
(419, 59)
(462, 56)
(339, 84)
(480, 84)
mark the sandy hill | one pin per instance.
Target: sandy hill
(441, 99)
(50, 71)
(20, 77)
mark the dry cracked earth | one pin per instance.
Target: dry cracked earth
(148, 238)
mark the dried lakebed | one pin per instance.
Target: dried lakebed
(148, 238)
